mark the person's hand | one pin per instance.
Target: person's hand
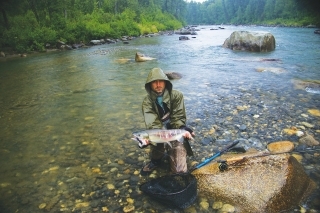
(143, 142)
(188, 129)
(188, 135)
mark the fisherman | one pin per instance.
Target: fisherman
(163, 108)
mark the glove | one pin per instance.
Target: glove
(187, 129)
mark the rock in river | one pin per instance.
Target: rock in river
(256, 182)
(251, 41)
(141, 57)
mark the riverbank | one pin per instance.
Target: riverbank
(8, 53)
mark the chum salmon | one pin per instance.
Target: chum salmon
(155, 136)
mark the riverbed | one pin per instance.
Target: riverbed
(67, 117)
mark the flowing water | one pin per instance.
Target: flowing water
(67, 117)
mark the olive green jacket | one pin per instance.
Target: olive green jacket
(173, 99)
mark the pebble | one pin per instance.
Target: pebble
(130, 200)
(5, 184)
(153, 174)
(82, 204)
(191, 209)
(227, 208)
(114, 170)
(204, 205)
(299, 133)
(120, 162)
(306, 124)
(308, 140)
(242, 127)
(42, 206)
(292, 131)
(141, 158)
(314, 112)
(128, 208)
(96, 170)
(280, 146)
(217, 205)
(242, 107)
(110, 186)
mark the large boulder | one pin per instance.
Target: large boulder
(251, 41)
(256, 182)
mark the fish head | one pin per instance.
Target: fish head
(141, 137)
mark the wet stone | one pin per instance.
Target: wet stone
(94, 203)
(134, 179)
(308, 140)
(227, 208)
(113, 165)
(242, 127)
(206, 141)
(217, 205)
(124, 177)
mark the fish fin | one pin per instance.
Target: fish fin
(169, 144)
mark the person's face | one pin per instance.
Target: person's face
(158, 86)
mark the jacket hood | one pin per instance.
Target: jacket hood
(157, 74)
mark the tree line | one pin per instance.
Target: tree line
(266, 12)
(28, 25)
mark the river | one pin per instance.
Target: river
(67, 117)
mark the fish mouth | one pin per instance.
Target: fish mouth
(138, 139)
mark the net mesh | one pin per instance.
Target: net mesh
(178, 190)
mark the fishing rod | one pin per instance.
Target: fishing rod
(206, 161)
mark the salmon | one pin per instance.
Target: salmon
(155, 136)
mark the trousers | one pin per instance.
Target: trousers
(177, 155)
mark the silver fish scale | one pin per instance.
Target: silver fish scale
(166, 134)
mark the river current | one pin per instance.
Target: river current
(67, 117)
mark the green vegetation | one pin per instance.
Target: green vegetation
(265, 12)
(28, 25)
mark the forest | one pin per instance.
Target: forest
(33, 25)
(294, 13)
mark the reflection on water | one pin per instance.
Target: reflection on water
(67, 117)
